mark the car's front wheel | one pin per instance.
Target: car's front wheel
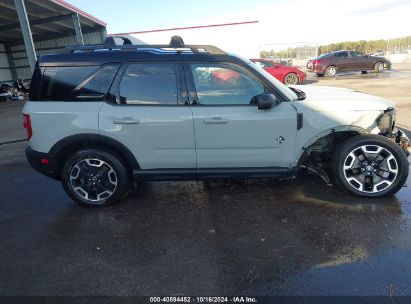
(369, 165)
(93, 177)
(379, 67)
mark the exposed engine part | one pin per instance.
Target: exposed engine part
(402, 140)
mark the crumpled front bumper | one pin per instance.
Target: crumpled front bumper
(401, 139)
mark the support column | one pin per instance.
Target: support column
(103, 35)
(26, 31)
(77, 28)
(11, 62)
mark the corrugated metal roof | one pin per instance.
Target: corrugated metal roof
(48, 19)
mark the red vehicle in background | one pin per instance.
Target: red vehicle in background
(285, 74)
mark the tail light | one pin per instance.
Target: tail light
(317, 61)
(27, 125)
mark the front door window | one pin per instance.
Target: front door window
(223, 84)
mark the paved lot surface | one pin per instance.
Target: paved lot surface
(296, 237)
(11, 121)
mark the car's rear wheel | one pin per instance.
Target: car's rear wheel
(379, 67)
(369, 165)
(291, 78)
(94, 177)
(331, 71)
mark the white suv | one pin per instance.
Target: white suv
(103, 116)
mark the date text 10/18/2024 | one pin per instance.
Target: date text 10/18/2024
(240, 299)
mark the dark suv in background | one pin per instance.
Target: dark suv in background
(331, 63)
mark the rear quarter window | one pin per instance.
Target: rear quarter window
(76, 83)
(58, 82)
(325, 56)
(35, 84)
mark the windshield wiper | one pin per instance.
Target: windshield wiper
(300, 94)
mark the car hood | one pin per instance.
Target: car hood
(321, 98)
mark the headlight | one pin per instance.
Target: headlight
(386, 121)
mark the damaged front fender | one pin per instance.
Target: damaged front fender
(401, 139)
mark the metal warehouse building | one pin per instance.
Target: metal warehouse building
(29, 28)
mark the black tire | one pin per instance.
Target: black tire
(341, 154)
(379, 67)
(364, 72)
(320, 75)
(108, 161)
(331, 71)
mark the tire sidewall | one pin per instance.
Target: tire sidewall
(114, 162)
(342, 152)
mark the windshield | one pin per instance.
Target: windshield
(263, 64)
(281, 87)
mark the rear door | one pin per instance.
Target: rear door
(230, 131)
(344, 62)
(150, 117)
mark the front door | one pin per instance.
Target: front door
(361, 62)
(230, 131)
(151, 119)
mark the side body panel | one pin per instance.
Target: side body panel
(53, 121)
(249, 138)
(318, 124)
(159, 137)
(345, 64)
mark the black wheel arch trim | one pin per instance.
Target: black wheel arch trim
(66, 142)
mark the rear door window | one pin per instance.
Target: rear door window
(149, 84)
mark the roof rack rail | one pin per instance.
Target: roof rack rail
(176, 45)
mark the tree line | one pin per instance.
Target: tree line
(364, 46)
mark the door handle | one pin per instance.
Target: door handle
(126, 121)
(216, 120)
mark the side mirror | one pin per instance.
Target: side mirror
(264, 101)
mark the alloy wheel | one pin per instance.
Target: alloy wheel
(291, 78)
(331, 71)
(370, 168)
(93, 179)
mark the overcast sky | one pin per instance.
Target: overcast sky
(325, 21)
